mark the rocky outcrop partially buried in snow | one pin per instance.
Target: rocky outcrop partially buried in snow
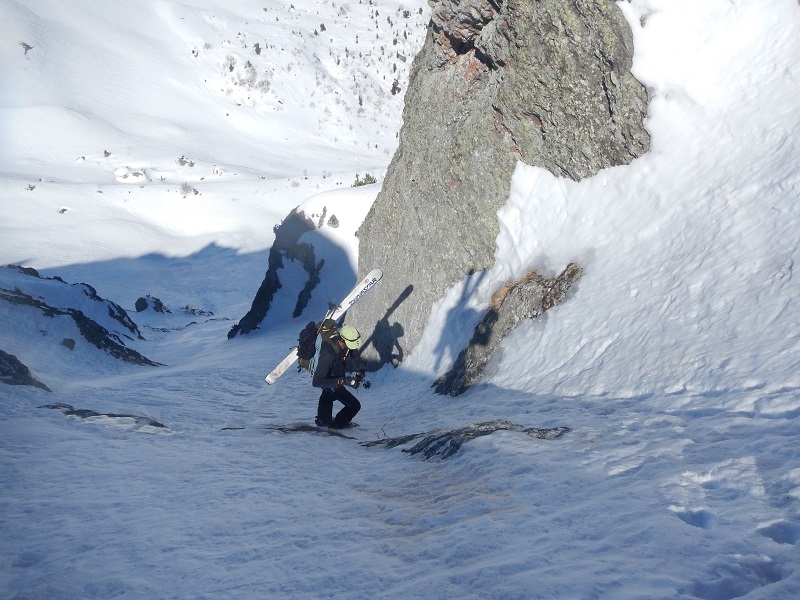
(547, 83)
(430, 444)
(13, 372)
(123, 420)
(444, 444)
(527, 298)
(30, 302)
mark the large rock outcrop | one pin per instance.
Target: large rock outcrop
(547, 82)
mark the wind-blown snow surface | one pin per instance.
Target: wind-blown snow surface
(674, 362)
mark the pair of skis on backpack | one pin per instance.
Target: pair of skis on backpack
(335, 313)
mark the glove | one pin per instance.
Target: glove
(350, 382)
(360, 375)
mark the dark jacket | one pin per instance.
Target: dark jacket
(333, 363)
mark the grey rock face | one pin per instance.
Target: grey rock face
(545, 82)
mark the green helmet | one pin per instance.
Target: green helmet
(350, 336)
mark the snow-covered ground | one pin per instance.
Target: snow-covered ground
(151, 147)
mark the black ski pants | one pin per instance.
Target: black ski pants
(344, 416)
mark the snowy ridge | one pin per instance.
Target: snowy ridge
(674, 363)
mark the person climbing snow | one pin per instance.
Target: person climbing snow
(338, 356)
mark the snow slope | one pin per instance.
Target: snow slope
(674, 363)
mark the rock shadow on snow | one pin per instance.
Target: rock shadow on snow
(457, 318)
(164, 274)
(288, 247)
(527, 298)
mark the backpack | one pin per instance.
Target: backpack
(306, 342)
(310, 341)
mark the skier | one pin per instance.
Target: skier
(337, 357)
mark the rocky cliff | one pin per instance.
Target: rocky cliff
(546, 82)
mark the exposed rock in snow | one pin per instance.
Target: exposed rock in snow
(24, 287)
(445, 444)
(527, 298)
(152, 303)
(84, 413)
(13, 372)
